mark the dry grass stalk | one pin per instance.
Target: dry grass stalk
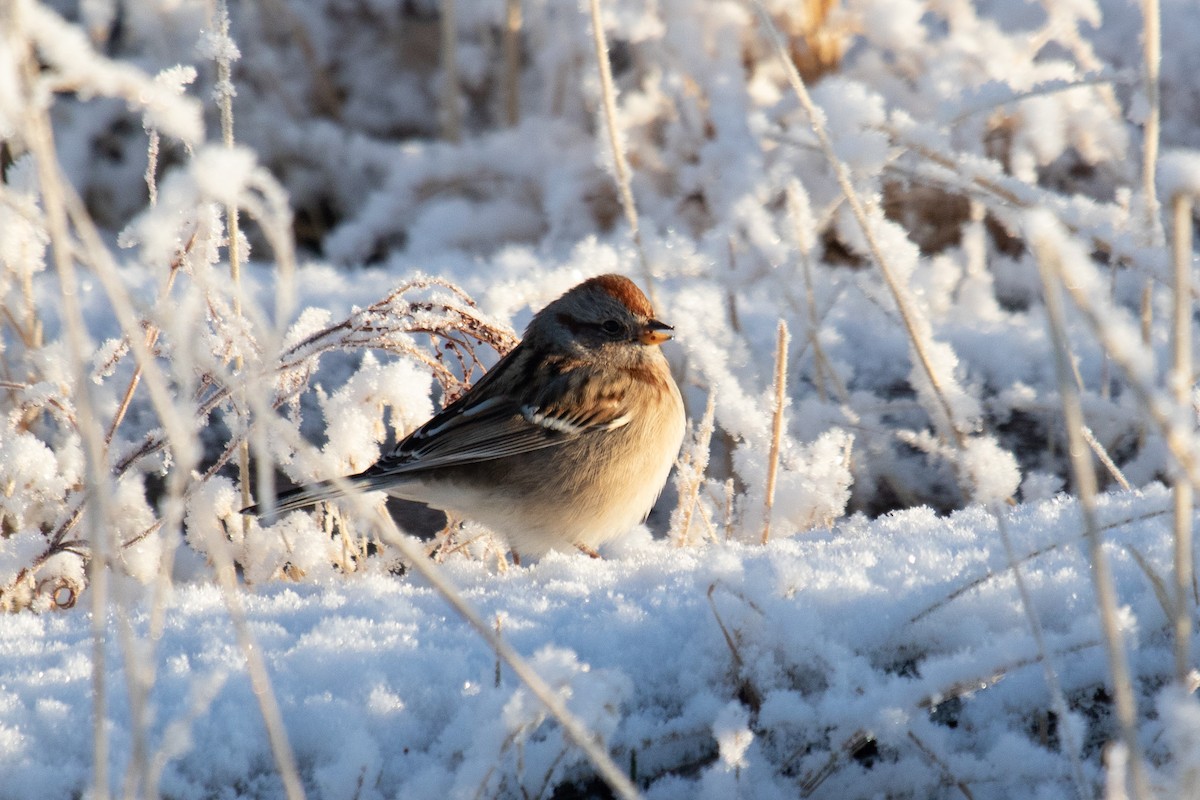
(691, 471)
(224, 93)
(1182, 380)
(573, 728)
(1057, 699)
(1104, 458)
(909, 315)
(942, 766)
(1084, 474)
(781, 348)
(512, 62)
(451, 89)
(1151, 62)
(1041, 551)
(40, 140)
(218, 548)
(608, 97)
(63, 206)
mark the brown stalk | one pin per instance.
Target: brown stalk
(781, 347)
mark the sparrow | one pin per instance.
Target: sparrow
(564, 444)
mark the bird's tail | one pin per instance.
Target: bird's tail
(310, 494)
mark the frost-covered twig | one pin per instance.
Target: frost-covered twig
(1152, 64)
(909, 314)
(1001, 194)
(1182, 385)
(1041, 551)
(939, 762)
(1051, 271)
(226, 52)
(256, 667)
(451, 91)
(1069, 746)
(781, 348)
(512, 61)
(152, 334)
(608, 103)
(1102, 455)
(690, 473)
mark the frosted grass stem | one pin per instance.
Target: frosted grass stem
(1181, 385)
(256, 667)
(451, 91)
(512, 62)
(1152, 62)
(572, 726)
(224, 93)
(692, 469)
(608, 99)
(781, 349)
(1050, 269)
(40, 140)
(1057, 700)
(908, 314)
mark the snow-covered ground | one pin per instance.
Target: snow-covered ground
(400, 222)
(721, 670)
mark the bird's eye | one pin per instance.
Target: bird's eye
(611, 327)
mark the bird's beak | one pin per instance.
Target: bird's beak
(655, 332)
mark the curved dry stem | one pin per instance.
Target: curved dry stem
(1084, 474)
(1057, 699)
(908, 314)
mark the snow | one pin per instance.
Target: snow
(385, 691)
(878, 645)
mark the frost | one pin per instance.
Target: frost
(732, 732)
(876, 646)
(1179, 173)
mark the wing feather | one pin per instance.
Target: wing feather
(483, 426)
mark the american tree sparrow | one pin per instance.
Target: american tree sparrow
(566, 442)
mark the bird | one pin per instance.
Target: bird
(565, 443)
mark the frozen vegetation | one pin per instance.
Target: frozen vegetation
(929, 264)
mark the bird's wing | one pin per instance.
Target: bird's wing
(482, 426)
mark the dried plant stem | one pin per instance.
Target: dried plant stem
(152, 334)
(40, 140)
(512, 62)
(909, 315)
(451, 91)
(781, 348)
(225, 101)
(695, 466)
(1050, 269)
(1152, 61)
(1162, 413)
(152, 166)
(1182, 380)
(1105, 459)
(572, 726)
(1057, 699)
(256, 667)
(608, 98)
(943, 767)
(989, 574)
